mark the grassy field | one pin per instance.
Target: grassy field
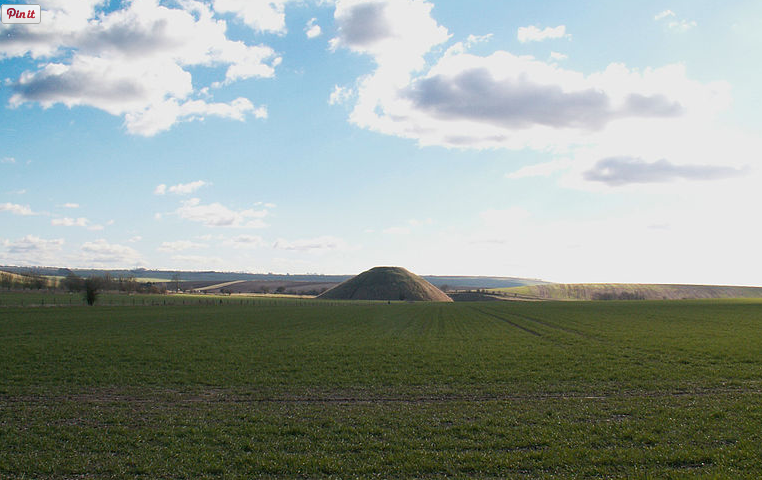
(44, 298)
(501, 389)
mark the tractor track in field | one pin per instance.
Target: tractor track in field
(520, 327)
(554, 326)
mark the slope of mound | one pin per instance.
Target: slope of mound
(625, 291)
(386, 283)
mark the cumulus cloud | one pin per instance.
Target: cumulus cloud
(180, 188)
(617, 171)
(321, 244)
(179, 245)
(504, 100)
(534, 34)
(32, 250)
(218, 215)
(312, 29)
(397, 33)
(16, 209)
(500, 100)
(100, 252)
(133, 62)
(7, 160)
(70, 205)
(260, 15)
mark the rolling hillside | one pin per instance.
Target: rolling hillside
(625, 291)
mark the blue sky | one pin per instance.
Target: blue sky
(569, 141)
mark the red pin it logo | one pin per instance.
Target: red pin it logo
(21, 14)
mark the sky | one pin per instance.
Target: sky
(591, 141)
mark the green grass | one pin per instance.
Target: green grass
(44, 298)
(501, 389)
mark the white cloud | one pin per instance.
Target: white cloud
(245, 241)
(534, 34)
(135, 239)
(476, 39)
(509, 101)
(664, 14)
(76, 222)
(675, 24)
(32, 250)
(100, 252)
(180, 188)
(312, 30)
(261, 15)
(70, 222)
(179, 245)
(558, 56)
(682, 25)
(340, 95)
(32, 243)
(16, 209)
(396, 33)
(217, 215)
(322, 244)
(133, 62)
(70, 205)
(7, 160)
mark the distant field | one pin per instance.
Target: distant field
(628, 291)
(500, 389)
(43, 298)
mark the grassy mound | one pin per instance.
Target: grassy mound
(386, 283)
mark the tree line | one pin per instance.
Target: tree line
(89, 287)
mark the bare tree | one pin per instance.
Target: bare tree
(92, 285)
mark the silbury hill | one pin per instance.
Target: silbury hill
(386, 283)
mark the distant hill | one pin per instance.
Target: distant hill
(386, 283)
(207, 278)
(627, 291)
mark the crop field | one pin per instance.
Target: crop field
(500, 389)
(44, 298)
